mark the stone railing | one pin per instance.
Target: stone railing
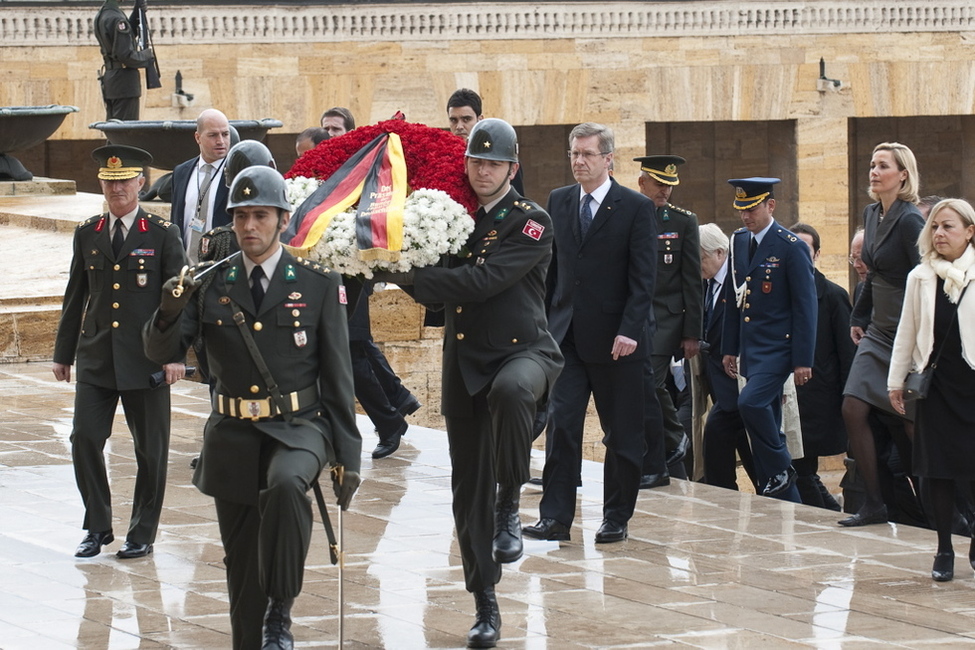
(43, 26)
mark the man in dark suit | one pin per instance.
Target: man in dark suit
(499, 363)
(121, 259)
(724, 432)
(199, 193)
(770, 323)
(677, 305)
(120, 80)
(600, 296)
(264, 447)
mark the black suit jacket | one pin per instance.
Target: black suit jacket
(182, 176)
(724, 389)
(602, 286)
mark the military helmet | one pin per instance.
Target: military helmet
(258, 185)
(244, 154)
(493, 139)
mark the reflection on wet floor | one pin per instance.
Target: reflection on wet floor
(703, 567)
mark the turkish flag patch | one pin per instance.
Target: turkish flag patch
(533, 229)
(343, 298)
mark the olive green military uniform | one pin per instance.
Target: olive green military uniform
(106, 303)
(121, 82)
(260, 470)
(677, 302)
(499, 363)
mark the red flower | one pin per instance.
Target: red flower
(434, 158)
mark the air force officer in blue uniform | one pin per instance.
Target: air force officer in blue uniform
(770, 325)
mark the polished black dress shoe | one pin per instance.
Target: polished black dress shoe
(649, 481)
(944, 567)
(131, 550)
(487, 621)
(680, 451)
(507, 546)
(548, 529)
(92, 544)
(780, 483)
(971, 553)
(391, 444)
(535, 480)
(409, 406)
(610, 531)
(277, 625)
(865, 518)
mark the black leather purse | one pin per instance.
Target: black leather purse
(917, 384)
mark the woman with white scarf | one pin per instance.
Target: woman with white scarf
(936, 325)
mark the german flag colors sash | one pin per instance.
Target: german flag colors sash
(375, 178)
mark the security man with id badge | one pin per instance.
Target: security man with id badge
(769, 327)
(199, 193)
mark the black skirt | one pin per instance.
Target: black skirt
(944, 439)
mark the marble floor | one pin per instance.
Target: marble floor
(703, 567)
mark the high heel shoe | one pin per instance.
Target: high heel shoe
(944, 567)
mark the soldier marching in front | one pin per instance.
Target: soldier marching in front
(278, 349)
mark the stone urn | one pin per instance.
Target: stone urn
(22, 127)
(171, 141)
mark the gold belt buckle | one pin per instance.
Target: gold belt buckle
(255, 409)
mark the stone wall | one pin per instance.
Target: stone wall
(627, 64)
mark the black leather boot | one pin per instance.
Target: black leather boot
(507, 525)
(277, 625)
(487, 622)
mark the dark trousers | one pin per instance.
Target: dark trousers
(371, 395)
(491, 447)
(621, 411)
(395, 391)
(266, 544)
(724, 436)
(655, 456)
(147, 414)
(760, 406)
(124, 108)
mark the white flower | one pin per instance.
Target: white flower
(433, 225)
(300, 188)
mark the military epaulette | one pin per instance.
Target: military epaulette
(313, 265)
(157, 220)
(90, 220)
(785, 234)
(677, 208)
(740, 230)
(526, 205)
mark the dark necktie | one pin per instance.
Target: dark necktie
(752, 247)
(257, 288)
(585, 216)
(481, 213)
(118, 239)
(709, 305)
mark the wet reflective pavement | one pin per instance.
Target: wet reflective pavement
(703, 567)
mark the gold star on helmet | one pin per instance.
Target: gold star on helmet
(247, 191)
(487, 144)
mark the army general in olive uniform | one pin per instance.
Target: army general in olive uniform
(262, 453)
(677, 312)
(499, 363)
(120, 79)
(121, 259)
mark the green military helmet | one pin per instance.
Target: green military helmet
(258, 185)
(244, 154)
(493, 139)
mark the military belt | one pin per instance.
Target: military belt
(259, 409)
(114, 65)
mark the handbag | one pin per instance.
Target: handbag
(917, 384)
